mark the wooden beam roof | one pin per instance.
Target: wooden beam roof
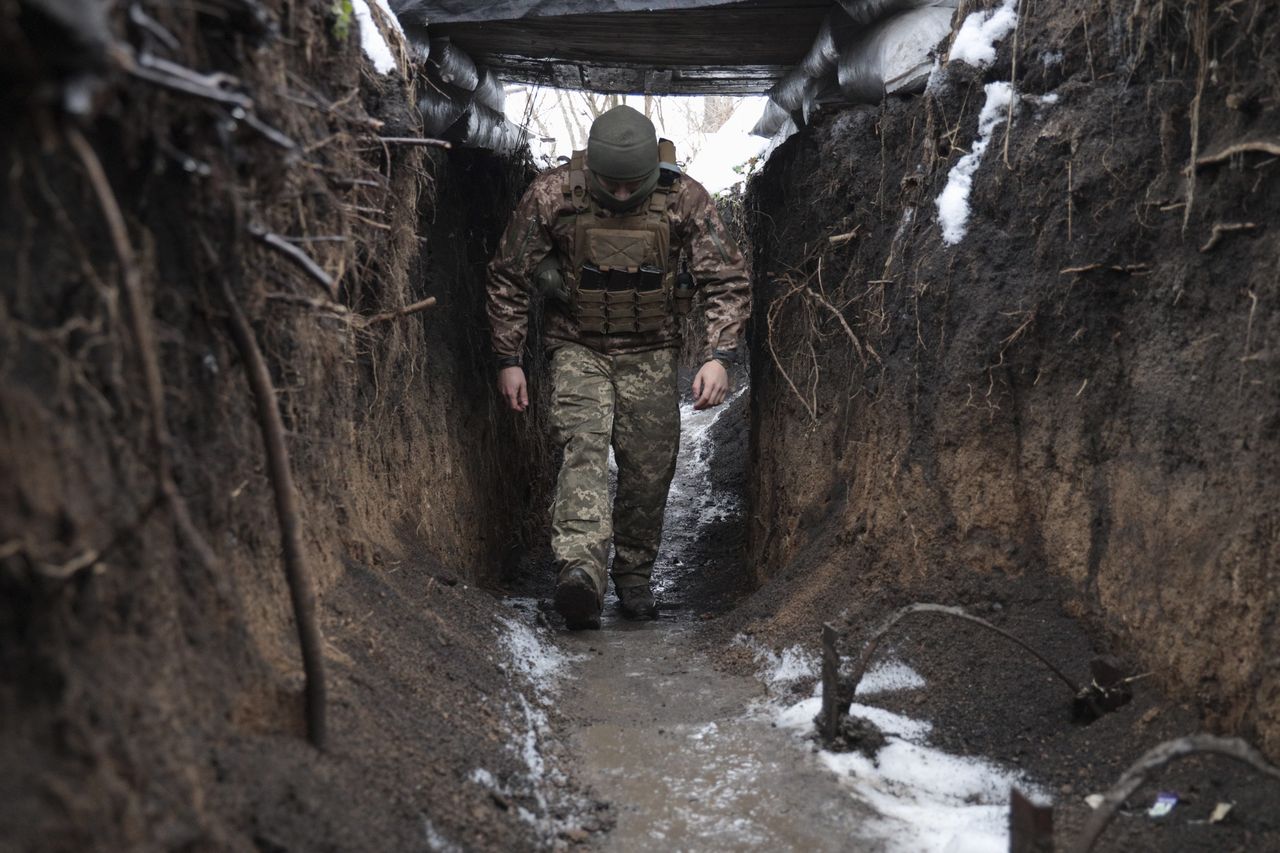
(736, 48)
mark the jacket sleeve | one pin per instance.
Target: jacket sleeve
(507, 290)
(718, 268)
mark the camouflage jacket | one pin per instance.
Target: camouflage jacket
(544, 222)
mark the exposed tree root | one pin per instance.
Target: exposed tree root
(1260, 145)
(301, 585)
(145, 343)
(1225, 228)
(299, 257)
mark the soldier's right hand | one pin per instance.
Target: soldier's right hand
(513, 388)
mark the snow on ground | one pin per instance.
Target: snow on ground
(975, 43)
(724, 158)
(537, 666)
(953, 202)
(371, 39)
(927, 800)
(888, 677)
(779, 670)
(540, 661)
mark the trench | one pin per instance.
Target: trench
(1063, 419)
(665, 736)
(693, 755)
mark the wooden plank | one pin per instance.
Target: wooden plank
(683, 81)
(742, 48)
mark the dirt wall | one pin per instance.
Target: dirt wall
(150, 698)
(1085, 384)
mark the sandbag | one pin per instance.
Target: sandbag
(892, 56)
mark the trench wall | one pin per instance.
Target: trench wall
(1085, 384)
(124, 659)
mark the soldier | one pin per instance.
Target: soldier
(603, 237)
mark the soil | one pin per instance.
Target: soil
(150, 699)
(1081, 388)
(1087, 458)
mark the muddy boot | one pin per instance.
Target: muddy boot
(577, 600)
(637, 602)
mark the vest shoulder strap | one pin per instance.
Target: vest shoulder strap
(575, 182)
(668, 172)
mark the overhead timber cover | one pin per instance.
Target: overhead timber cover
(686, 47)
(801, 53)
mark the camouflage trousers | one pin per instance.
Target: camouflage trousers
(632, 403)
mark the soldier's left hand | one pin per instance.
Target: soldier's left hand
(710, 386)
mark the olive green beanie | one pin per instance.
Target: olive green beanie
(623, 146)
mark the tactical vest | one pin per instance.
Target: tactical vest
(618, 278)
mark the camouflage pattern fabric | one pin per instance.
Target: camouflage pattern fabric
(630, 401)
(543, 225)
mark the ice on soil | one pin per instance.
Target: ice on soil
(975, 43)
(953, 202)
(796, 663)
(372, 40)
(540, 662)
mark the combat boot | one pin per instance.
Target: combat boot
(636, 602)
(577, 600)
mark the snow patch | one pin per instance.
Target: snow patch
(889, 677)
(975, 43)
(484, 779)
(779, 670)
(693, 471)
(929, 800)
(799, 717)
(953, 202)
(372, 40)
(724, 158)
(540, 662)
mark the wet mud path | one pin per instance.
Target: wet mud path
(688, 755)
(674, 745)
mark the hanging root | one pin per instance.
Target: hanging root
(1225, 228)
(301, 585)
(1261, 146)
(1153, 760)
(299, 257)
(144, 342)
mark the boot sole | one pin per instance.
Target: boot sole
(579, 606)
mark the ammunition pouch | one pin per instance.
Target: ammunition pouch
(614, 301)
(683, 294)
